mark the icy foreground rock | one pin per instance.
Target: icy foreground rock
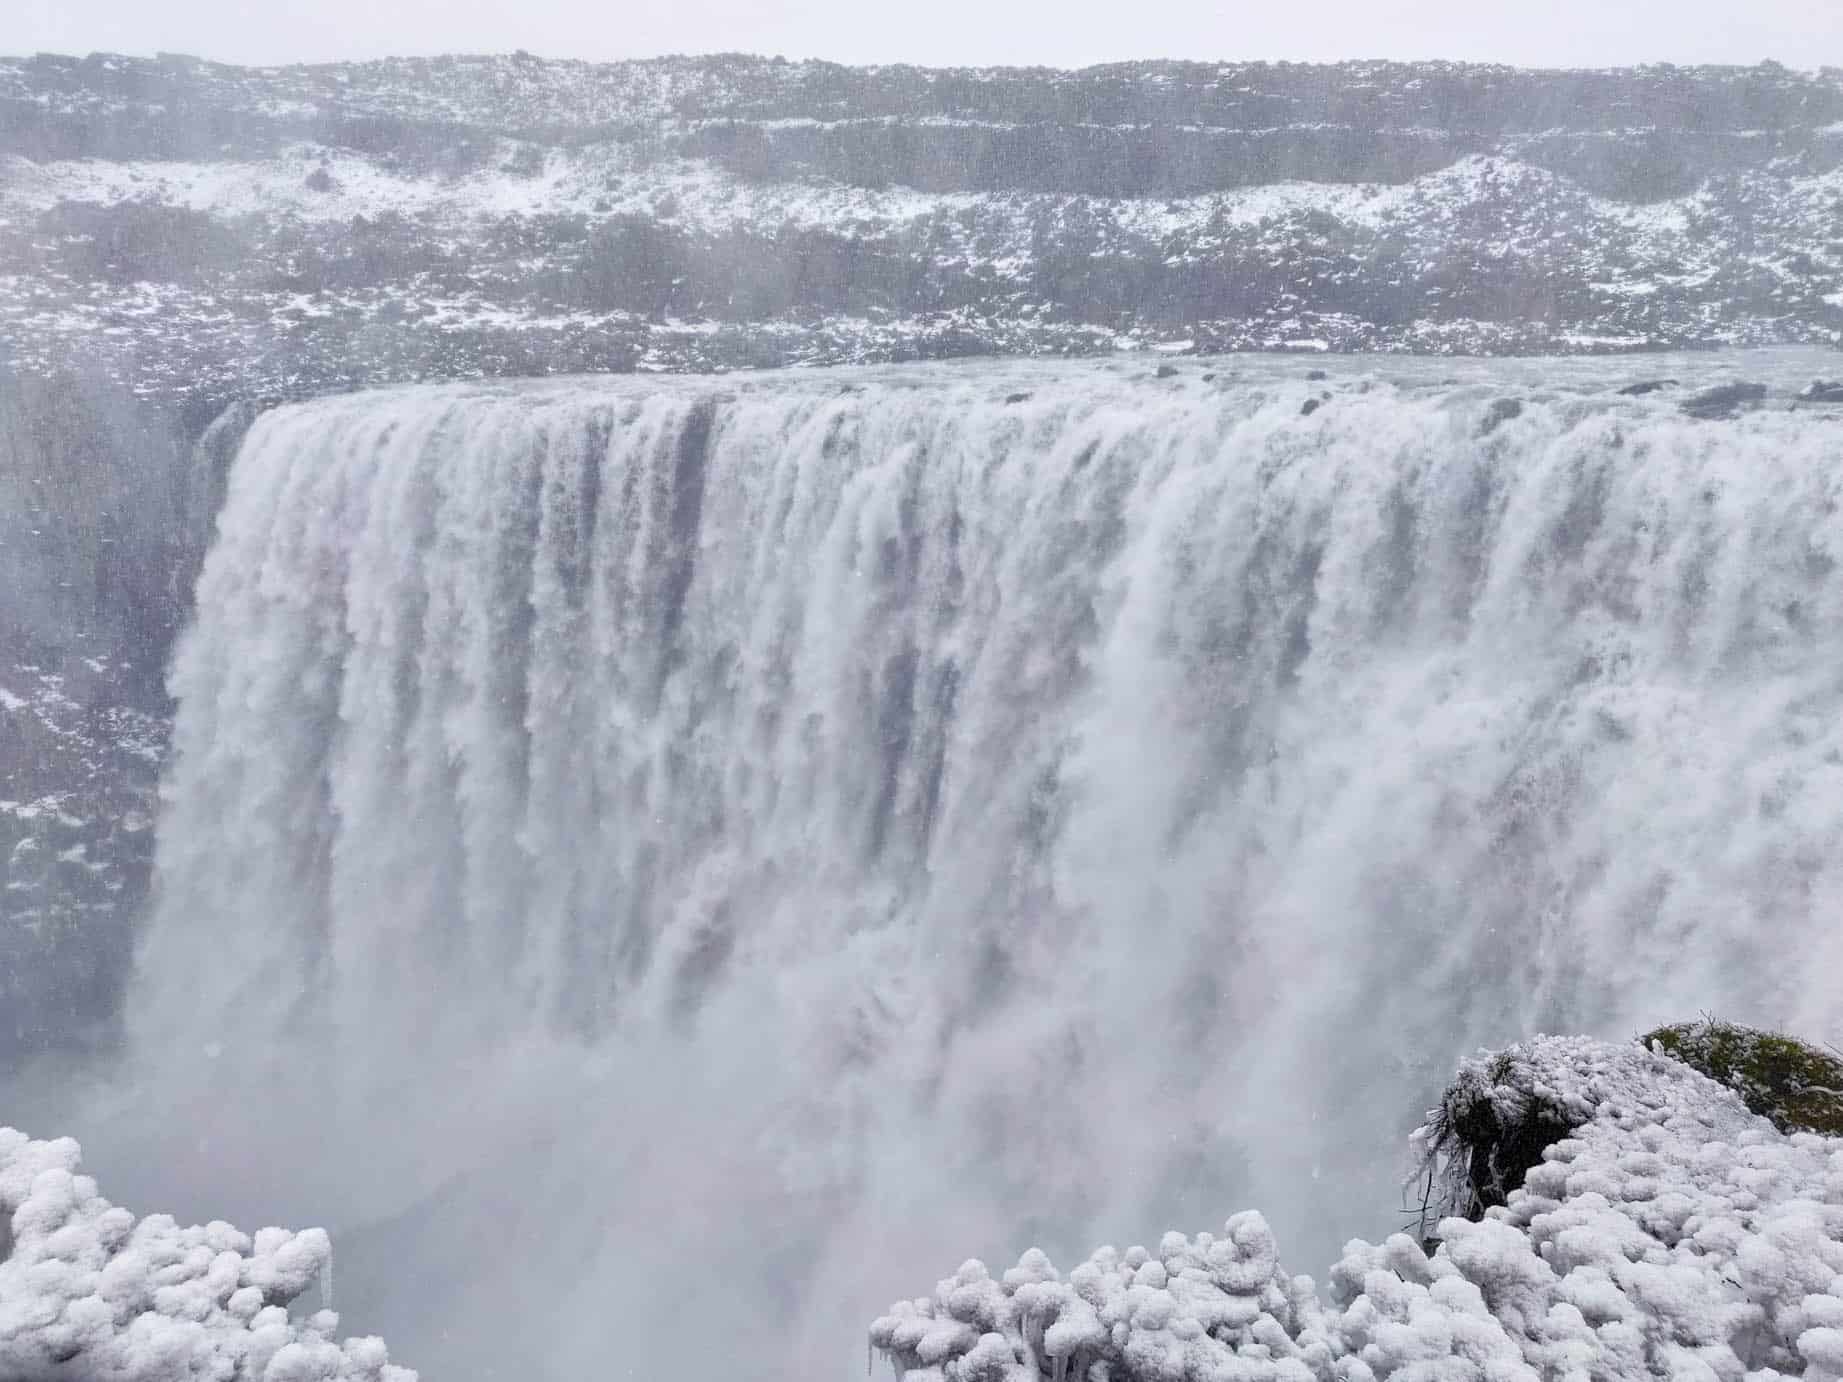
(88, 1291)
(1673, 1235)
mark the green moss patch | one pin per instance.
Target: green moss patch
(1798, 1086)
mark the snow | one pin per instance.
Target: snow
(10, 703)
(1653, 274)
(88, 1290)
(603, 180)
(610, 179)
(1584, 340)
(1672, 1235)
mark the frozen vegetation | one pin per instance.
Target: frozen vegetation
(88, 1291)
(1670, 1234)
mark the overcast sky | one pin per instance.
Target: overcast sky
(1799, 33)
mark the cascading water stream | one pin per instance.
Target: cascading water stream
(662, 862)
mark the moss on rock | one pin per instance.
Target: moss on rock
(1798, 1086)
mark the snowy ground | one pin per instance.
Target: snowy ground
(1673, 1235)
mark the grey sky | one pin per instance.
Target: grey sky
(1800, 33)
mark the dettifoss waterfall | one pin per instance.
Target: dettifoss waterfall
(660, 866)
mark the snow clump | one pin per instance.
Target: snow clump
(89, 1291)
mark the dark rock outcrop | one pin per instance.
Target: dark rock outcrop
(1725, 400)
(1502, 410)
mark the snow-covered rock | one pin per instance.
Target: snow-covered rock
(89, 1291)
(1671, 1235)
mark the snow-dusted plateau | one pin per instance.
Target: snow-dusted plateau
(189, 226)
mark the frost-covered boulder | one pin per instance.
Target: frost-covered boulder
(87, 1291)
(1665, 1233)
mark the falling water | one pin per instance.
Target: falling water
(659, 864)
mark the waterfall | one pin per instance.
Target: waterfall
(664, 862)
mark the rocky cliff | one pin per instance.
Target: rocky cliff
(192, 227)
